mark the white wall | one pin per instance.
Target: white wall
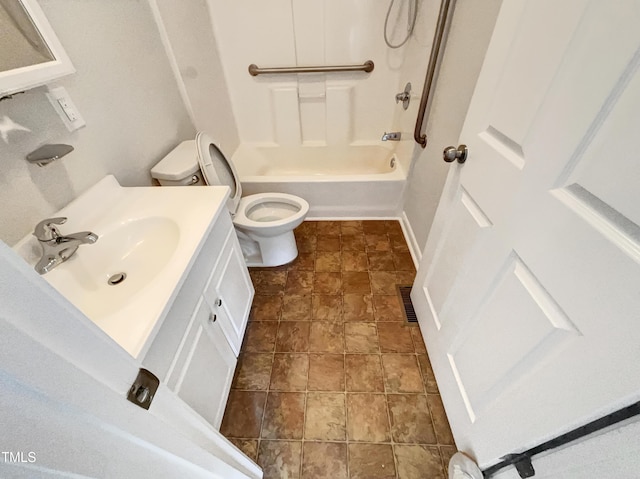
(338, 108)
(188, 35)
(125, 90)
(466, 44)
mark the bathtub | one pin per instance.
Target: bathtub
(362, 181)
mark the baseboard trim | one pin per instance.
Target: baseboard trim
(414, 249)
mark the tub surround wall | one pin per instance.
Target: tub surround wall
(466, 44)
(310, 109)
(127, 95)
(187, 34)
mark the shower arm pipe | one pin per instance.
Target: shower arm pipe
(438, 38)
(255, 70)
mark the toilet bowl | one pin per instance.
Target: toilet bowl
(264, 222)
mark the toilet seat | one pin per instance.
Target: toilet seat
(217, 170)
(245, 218)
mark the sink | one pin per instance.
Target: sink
(147, 240)
(103, 279)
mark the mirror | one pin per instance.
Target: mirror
(30, 53)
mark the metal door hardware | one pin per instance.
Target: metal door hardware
(143, 389)
(451, 153)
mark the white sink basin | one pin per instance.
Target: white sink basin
(147, 239)
(102, 278)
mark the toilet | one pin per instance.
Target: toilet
(264, 222)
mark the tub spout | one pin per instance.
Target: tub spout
(392, 136)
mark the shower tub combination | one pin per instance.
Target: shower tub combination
(363, 181)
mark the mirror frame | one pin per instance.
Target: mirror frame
(24, 78)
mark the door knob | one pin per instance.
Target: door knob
(451, 153)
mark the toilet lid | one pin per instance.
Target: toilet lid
(217, 170)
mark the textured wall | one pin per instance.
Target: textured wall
(127, 94)
(193, 47)
(468, 38)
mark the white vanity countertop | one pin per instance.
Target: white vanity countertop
(153, 234)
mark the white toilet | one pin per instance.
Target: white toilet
(264, 222)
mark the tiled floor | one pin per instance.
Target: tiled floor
(331, 381)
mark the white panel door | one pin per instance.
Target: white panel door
(528, 294)
(63, 407)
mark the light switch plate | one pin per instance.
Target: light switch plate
(66, 109)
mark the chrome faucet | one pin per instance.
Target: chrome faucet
(57, 248)
(392, 136)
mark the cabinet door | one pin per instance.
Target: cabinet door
(205, 378)
(230, 292)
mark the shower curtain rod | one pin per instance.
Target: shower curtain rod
(443, 18)
(255, 70)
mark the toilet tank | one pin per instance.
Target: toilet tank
(179, 167)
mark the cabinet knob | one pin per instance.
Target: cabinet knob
(218, 302)
(213, 318)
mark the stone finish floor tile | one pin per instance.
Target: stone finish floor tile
(326, 372)
(283, 416)
(329, 243)
(326, 337)
(367, 417)
(361, 337)
(395, 337)
(266, 308)
(290, 371)
(418, 462)
(418, 340)
(299, 283)
(411, 419)
(440, 422)
(327, 307)
(357, 307)
(324, 460)
(325, 417)
(356, 282)
(355, 261)
(296, 308)
(243, 415)
(253, 371)
(387, 308)
(401, 373)
(293, 336)
(260, 336)
(371, 461)
(331, 381)
(248, 446)
(280, 459)
(428, 377)
(383, 282)
(364, 373)
(327, 283)
(328, 261)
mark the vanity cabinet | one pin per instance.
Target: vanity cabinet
(195, 350)
(207, 363)
(230, 292)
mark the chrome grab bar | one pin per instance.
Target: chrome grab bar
(443, 17)
(255, 70)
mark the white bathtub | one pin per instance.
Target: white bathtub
(361, 181)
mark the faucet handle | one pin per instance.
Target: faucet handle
(45, 231)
